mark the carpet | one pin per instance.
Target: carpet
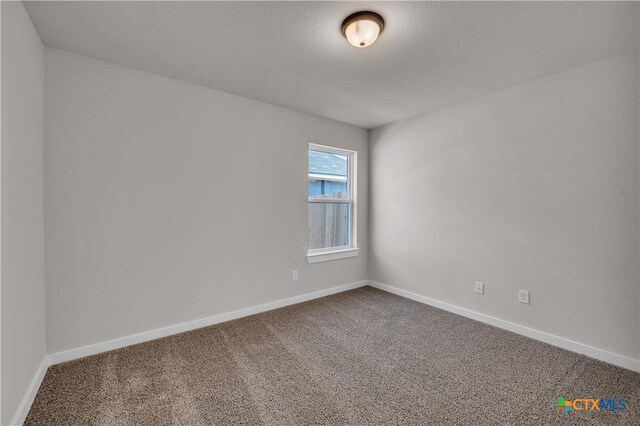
(362, 357)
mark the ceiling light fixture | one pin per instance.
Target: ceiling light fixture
(362, 28)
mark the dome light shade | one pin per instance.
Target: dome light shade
(362, 29)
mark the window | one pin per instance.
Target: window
(332, 204)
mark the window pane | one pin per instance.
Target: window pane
(321, 188)
(328, 175)
(328, 225)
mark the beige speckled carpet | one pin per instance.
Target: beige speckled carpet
(363, 357)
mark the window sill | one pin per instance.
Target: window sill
(332, 255)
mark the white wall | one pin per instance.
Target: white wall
(168, 202)
(534, 187)
(23, 292)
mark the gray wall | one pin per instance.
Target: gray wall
(23, 306)
(168, 202)
(534, 187)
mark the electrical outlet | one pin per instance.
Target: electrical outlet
(479, 287)
(523, 296)
(294, 275)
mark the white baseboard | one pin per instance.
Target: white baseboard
(133, 339)
(30, 395)
(600, 354)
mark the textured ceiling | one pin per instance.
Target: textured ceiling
(293, 55)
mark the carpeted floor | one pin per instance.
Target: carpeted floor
(363, 357)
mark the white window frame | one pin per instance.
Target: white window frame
(352, 250)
